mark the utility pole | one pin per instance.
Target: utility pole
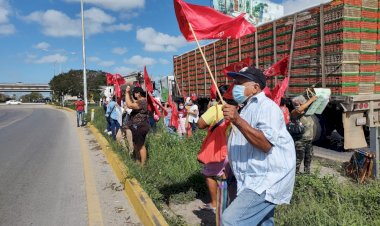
(84, 61)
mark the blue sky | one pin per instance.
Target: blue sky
(41, 38)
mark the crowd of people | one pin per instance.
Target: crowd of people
(250, 154)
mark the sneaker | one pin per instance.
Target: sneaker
(109, 133)
(106, 131)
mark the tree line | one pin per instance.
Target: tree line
(71, 83)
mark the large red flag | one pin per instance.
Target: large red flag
(213, 91)
(208, 23)
(279, 68)
(235, 67)
(148, 83)
(174, 118)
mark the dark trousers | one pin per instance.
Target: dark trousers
(115, 126)
(193, 126)
(304, 152)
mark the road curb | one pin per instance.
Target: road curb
(141, 202)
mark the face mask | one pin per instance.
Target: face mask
(180, 107)
(238, 94)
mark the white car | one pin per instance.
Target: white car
(13, 102)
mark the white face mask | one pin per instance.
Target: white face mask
(180, 107)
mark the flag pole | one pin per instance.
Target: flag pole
(208, 67)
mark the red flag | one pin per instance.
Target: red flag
(279, 91)
(152, 104)
(267, 92)
(237, 66)
(213, 91)
(148, 83)
(208, 23)
(279, 68)
(118, 81)
(174, 118)
(109, 78)
(228, 94)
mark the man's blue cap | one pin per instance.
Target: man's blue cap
(252, 74)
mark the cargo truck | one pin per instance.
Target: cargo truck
(334, 45)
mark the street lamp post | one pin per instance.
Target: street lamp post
(84, 61)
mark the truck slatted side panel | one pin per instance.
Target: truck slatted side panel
(350, 43)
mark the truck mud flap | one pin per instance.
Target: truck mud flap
(353, 135)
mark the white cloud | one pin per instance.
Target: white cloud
(55, 58)
(57, 24)
(140, 61)
(100, 62)
(93, 59)
(159, 42)
(119, 27)
(292, 6)
(119, 50)
(6, 28)
(123, 70)
(106, 63)
(115, 5)
(42, 46)
(163, 61)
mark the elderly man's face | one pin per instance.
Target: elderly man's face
(251, 88)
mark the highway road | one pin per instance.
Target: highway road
(52, 174)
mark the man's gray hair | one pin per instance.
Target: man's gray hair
(298, 100)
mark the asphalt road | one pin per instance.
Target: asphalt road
(44, 171)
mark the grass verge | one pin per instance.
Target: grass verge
(172, 175)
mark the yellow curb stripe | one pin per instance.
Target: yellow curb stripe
(93, 205)
(143, 205)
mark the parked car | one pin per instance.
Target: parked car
(12, 102)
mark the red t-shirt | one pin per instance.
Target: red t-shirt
(79, 105)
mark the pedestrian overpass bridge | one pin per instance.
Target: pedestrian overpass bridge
(24, 87)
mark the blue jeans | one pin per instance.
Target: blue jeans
(108, 123)
(115, 126)
(80, 117)
(249, 209)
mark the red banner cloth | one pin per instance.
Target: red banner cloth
(279, 91)
(174, 118)
(208, 23)
(279, 68)
(148, 83)
(117, 81)
(236, 67)
(213, 91)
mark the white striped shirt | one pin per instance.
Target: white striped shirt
(272, 172)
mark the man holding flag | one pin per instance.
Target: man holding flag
(261, 152)
(260, 149)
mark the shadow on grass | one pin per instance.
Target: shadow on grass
(180, 193)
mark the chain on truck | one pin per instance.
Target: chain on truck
(333, 45)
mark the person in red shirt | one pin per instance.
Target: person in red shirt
(182, 114)
(79, 105)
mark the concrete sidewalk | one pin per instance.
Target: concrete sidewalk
(332, 155)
